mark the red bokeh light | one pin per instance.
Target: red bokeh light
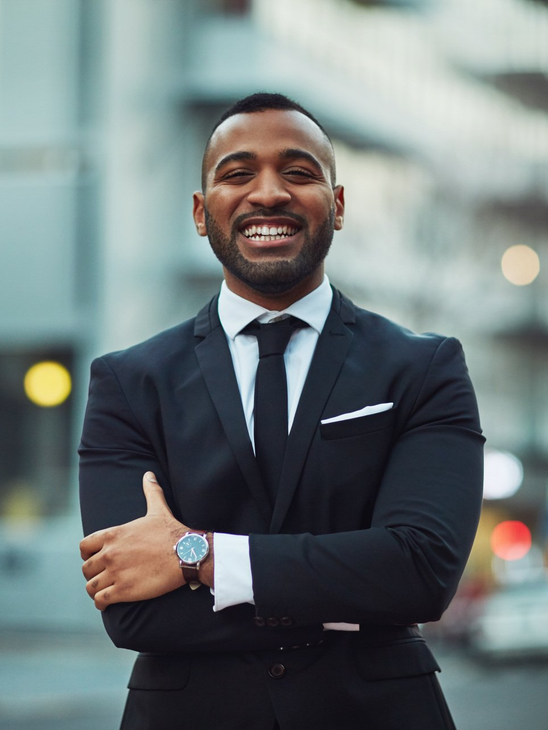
(511, 540)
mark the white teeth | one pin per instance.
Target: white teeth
(269, 233)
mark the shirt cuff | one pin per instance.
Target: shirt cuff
(232, 571)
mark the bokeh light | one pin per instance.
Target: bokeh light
(503, 475)
(511, 540)
(520, 265)
(48, 384)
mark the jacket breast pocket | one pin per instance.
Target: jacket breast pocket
(160, 672)
(357, 426)
(353, 457)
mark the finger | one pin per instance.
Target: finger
(154, 495)
(96, 584)
(92, 544)
(92, 568)
(105, 598)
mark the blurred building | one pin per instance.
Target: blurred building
(439, 115)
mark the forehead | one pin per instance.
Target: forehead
(268, 133)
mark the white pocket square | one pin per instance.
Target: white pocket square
(367, 411)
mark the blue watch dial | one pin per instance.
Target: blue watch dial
(192, 548)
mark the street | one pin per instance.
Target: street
(499, 697)
(64, 682)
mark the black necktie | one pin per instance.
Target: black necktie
(270, 411)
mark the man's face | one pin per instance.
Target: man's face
(269, 208)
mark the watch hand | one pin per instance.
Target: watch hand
(193, 553)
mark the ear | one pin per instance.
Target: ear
(338, 194)
(198, 211)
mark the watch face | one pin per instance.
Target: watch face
(192, 548)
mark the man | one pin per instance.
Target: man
(319, 551)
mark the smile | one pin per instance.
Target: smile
(269, 233)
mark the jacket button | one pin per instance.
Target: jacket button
(273, 622)
(277, 671)
(259, 621)
(286, 621)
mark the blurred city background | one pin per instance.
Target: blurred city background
(439, 114)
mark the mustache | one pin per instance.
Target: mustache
(268, 213)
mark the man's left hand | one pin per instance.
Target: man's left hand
(134, 561)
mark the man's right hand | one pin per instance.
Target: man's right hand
(134, 561)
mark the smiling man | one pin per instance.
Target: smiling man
(278, 491)
(272, 204)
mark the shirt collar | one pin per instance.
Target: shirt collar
(235, 312)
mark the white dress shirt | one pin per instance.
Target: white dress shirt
(236, 313)
(233, 581)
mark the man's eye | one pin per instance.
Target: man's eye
(298, 172)
(236, 174)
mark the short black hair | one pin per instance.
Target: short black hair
(260, 102)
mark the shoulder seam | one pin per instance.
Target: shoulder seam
(427, 371)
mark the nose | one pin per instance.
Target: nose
(269, 191)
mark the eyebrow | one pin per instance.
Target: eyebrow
(235, 157)
(291, 153)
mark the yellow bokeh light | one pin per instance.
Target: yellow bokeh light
(48, 384)
(520, 265)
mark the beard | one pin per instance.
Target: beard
(272, 277)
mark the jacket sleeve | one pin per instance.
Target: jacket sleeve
(115, 452)
(405, 567)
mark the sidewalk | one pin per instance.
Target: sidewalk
(60, 681)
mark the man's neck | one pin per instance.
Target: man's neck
(275, 302)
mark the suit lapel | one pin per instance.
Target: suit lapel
(218, 372)
(328, 359)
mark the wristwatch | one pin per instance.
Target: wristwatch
(191, 549)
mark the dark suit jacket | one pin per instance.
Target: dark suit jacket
(373, 521)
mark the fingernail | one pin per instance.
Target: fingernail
(151, 478)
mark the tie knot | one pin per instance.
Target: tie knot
(273, 337)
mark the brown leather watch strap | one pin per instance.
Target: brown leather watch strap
(190, 573)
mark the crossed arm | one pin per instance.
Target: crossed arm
(136, 561)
